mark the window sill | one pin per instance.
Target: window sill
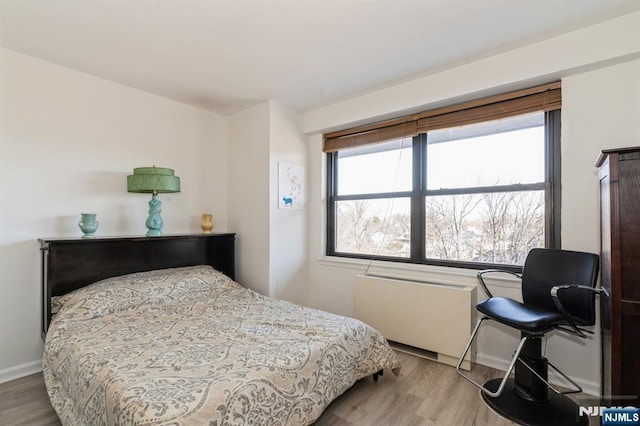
(426, 273)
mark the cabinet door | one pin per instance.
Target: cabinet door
(629, 217)
(630, 359)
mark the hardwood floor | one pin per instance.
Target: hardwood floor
(25, 402)
(425, 393)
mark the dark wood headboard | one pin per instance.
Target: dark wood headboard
(69, 264)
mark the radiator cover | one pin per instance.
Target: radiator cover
(437, 318)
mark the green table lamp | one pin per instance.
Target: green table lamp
(153, 180)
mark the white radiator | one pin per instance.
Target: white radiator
(437, 318)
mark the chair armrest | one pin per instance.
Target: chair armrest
(486, 271)
(558, 303)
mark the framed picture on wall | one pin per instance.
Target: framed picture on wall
(290, 186)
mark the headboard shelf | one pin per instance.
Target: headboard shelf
(72, 263)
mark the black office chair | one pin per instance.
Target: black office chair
(558, 292)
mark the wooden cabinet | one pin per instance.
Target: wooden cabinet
(620, 257)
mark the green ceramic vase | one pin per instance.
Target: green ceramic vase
(88, 224)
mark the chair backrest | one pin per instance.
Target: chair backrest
(545, 268)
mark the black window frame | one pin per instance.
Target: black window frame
(551, 187)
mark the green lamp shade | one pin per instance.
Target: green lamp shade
(153, 179)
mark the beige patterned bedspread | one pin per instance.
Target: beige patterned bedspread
(190, 346)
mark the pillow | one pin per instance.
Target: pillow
(57, 302)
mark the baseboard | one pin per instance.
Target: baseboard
(492, 361)
(588, 386)
(19, 371)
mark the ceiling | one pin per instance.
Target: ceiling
(226, 55)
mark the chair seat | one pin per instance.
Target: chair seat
(517, 315)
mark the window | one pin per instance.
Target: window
(373, 207)
(473, 195)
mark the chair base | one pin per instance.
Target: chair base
(560, 410)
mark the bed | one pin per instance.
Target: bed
(188, 345)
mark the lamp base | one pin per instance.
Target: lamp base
(154, 221)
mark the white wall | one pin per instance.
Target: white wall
(271, 242)
(287, 228)
(601, 94)
(67, 142)
(600, 110)
(248, 196)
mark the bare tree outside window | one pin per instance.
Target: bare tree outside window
(515, 224)
(450, 227)
(496, 228)
(378, 227)
(487, 228)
